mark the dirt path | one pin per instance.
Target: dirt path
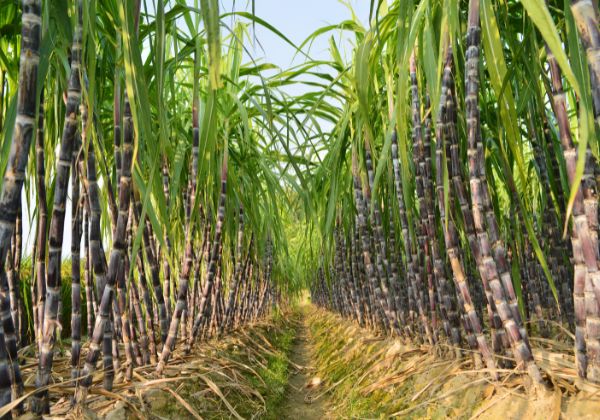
(299, 403)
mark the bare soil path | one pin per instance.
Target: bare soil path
(304, 394)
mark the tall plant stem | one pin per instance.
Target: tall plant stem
(53, 277)
(500, 282)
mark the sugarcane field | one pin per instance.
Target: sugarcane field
(316, 209)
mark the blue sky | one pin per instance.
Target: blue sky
(297, 19)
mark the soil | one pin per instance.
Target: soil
(305, 397)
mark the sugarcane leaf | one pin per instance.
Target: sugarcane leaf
(210, 16)
(586, 119)
(255, 19)
(496, 66)
(9, 126)
(540, 16)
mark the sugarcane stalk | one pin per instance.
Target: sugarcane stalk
(196, 286)
(449, 313)
(415, 292)
(214, 258)
(237, 272)
(179, 314)
(98, 263)
(147, 335)
(383, 266)
(53, 276)
(10, 200)
(584, 242)
(588, 25)
(495, 266)
(123, 307)
(446, 136)
(117, 124)
(134, 307)
(166, 268)
(116, 261)
(152, 260)
(181, 302)
(90, 299)
(76, 227)
(421, 253)
(365, 239)
(499, 339)
(40, 260)
(14, 264)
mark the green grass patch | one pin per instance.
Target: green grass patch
(274, 376)
(257, 361)
(351, 361)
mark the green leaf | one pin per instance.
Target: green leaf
(210, 15)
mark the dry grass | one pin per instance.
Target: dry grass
(217, 380)
(370, 376)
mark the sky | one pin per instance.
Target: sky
(296, 19)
